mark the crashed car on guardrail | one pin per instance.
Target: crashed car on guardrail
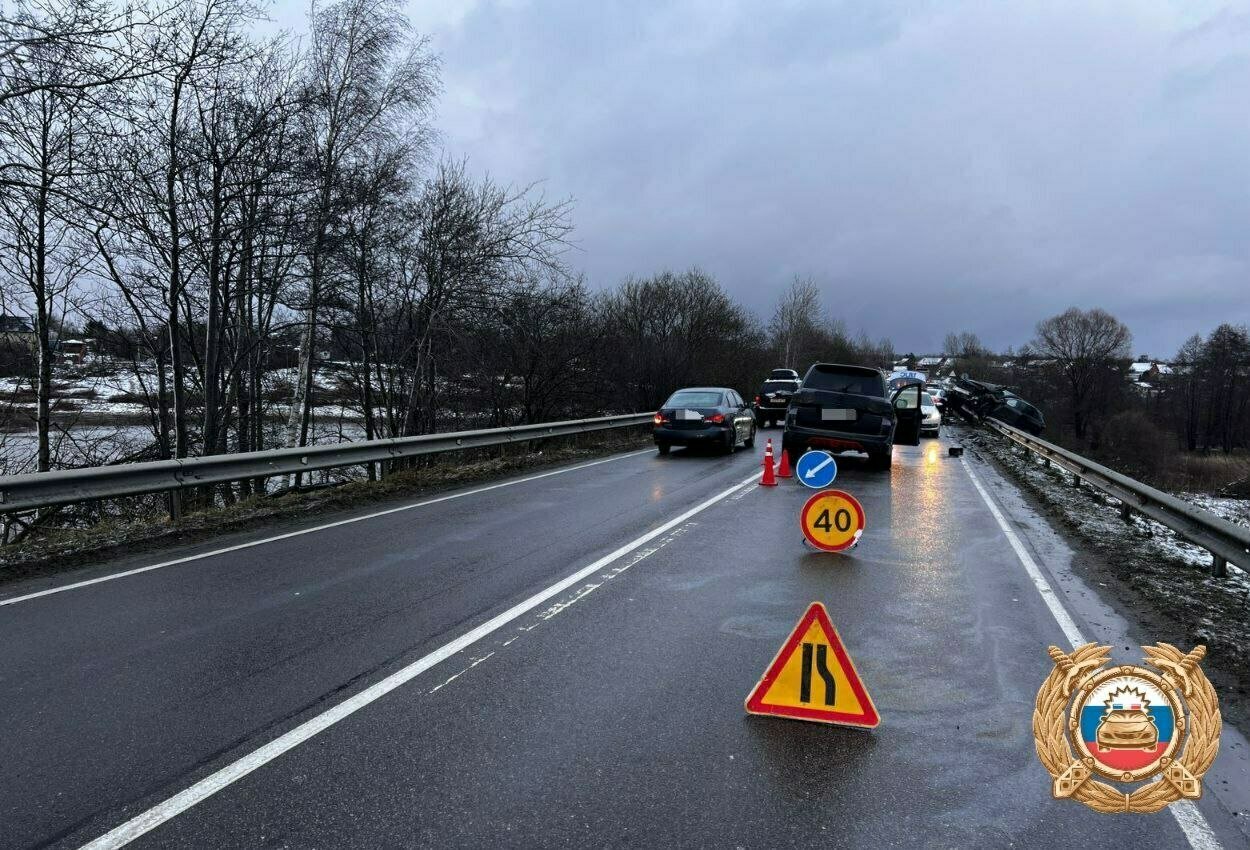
(977, 400)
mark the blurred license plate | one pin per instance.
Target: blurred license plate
(838, 414)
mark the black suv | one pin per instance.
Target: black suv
(773, 398)
(848, 408)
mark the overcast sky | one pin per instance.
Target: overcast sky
(933, 166)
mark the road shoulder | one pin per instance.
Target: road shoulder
(1112, 612)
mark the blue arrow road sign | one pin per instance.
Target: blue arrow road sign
(817, 469)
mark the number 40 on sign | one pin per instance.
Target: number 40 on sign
(832, 520)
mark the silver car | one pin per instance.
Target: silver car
(931, 417)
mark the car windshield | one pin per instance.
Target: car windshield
(1022, 406)
(695, 398)
(845, 381)
(926, 400)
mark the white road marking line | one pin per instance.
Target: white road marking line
(581, 593)
(211, 784)
(78, 584)
(1191, 821)
(1061, 615)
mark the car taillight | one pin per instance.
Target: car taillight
(757, 399)
(659, 419)
(717, 418)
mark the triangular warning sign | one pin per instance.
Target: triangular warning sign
(813, 678)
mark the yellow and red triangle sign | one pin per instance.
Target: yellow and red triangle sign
(813, 678)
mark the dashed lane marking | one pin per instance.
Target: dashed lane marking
(231, 773)
(581, 593)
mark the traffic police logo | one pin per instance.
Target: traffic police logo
(1127, 724)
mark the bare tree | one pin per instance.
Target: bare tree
(795, 321)
(964, 345)
(109, 45)
(472, 241)
(368, 78)
(535, 354)
(1085, 345)
(672, 330)
(46, 140)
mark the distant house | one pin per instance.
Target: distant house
(18, 331)
(1147, 371)
(76, 351)
(930, 364)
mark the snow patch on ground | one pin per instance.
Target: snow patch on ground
(1167, 573)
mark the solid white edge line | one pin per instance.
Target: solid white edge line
(112, 576)
(1193, 824)
(211, 784)
(1061, 615)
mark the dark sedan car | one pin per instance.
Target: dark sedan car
(848, 408)
(773, 398)
(710, 416)
(1018, 412)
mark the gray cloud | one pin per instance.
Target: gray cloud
(933, 166)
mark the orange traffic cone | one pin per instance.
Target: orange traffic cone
(769, 479)
(783, 470)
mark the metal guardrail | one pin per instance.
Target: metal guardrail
(1223, 539)
(63, 487)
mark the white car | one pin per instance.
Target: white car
(931, 417)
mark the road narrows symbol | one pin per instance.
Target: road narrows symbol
(822, 667)
(813, 678)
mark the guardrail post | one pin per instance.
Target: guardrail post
(1126, 512)
(1219, 566)
(1076, 480)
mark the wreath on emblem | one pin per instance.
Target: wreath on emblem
(1073, 774)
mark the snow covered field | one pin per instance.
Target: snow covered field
(125, 393)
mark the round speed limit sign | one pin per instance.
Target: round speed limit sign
(832, 520)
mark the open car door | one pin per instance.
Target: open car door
(907, 414)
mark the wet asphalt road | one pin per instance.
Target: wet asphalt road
(610, 715)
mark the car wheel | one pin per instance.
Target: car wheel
(663, 448)
(881, 461)
(731, 441)
(749, 442)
